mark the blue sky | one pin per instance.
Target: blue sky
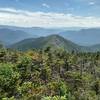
(47, 13)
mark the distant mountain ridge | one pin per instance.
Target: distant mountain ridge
(55, 42)
(8, 36)
(13, 34)
(83, 37)
(34, 31)
(86, 37)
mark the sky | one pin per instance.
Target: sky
(50, 13)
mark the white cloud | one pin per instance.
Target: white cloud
(45, 5)
(91, 3)
(10, 16)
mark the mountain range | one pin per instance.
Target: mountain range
(24, 38)
(55, 42)
(85, 37)
(13, 34)
(8, 36)
(80, 36)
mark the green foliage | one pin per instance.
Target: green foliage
(7, 75)
(8, 79)
(11, 98)
(54, 98)
(49, 75)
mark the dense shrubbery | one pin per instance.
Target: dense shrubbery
(49, 75)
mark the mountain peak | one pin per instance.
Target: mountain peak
(54, 41)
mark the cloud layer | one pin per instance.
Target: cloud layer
(45, 5)
(10, 16)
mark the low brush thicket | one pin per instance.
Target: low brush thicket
(49, 75)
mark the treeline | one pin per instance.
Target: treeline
(49, 75)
